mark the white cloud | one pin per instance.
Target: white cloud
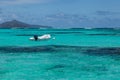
(6, 2)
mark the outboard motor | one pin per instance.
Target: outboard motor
(36, 37)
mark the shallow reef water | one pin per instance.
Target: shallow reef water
(74, 54)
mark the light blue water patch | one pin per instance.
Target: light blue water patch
(57, 66)
(74, 54)
(20, 37)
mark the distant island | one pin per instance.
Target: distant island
(99, 28)
(21, 25)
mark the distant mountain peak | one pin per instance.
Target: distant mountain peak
(15, 21)
(12, 21)
(19, 24)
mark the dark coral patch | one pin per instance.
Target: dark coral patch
(62, 48)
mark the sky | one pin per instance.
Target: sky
(62, 13)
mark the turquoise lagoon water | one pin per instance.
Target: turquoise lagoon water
(74, 54)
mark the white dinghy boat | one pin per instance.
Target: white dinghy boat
(43, 37)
